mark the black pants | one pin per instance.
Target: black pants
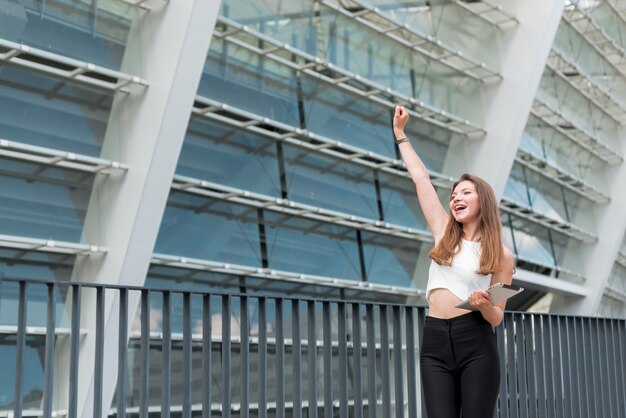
(460, 367)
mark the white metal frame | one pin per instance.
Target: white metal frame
(321, 69)
(556, 121)
(217, 111)
(69, 69)
(562, 227)
(576, 77)
(62, 159)
(245, 197)
(411, 38)
(556, 174)
(272, 274)
(49, 246)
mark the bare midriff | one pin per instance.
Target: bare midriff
(441, 304)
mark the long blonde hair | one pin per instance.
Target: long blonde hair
(489, 228)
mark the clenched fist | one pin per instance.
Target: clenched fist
(400, 118)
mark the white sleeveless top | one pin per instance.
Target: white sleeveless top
(460, 278)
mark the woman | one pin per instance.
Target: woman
(459, 355)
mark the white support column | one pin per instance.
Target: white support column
(524, 51)
(598, 258)
(167, 46)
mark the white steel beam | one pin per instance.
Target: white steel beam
(50, 246)
(524, 51)
(167, 45)
(489, 12)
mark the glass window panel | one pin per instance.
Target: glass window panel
(550, 198)
(231, 157)
(617, 279)
(333, 113)
(198, 227)
(533, 242)
(42, 202)
(390, 260)
(44, 111)
(515, 188)
(507, 233)
(364, 51)
(399, 202)
(95, 31)
(32, 373)
(251, 82)
(310, 247)
(330, 183)
(33, 266)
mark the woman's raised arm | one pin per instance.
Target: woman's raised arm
(434, 212)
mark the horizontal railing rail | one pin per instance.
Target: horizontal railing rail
(195, 353)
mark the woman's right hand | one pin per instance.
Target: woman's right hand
(400, 118)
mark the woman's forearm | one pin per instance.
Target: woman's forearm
(414, 164)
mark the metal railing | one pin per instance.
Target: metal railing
(193, 353)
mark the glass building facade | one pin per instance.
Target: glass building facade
(283, 175)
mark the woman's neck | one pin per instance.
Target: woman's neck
(470, 232)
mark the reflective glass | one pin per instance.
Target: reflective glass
(348, 118)
(32, 372)
(310, 247)
(516, 189)
(231, 157)
(330, 183)
(42, 202)
(198, 227)
(243, 79)
(95, 31)
(389, 260)
(364, 51)
(33, 266)
(617, 280)
(46, 112)
(532, 241)
(399, 202)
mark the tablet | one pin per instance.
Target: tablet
(499, 293)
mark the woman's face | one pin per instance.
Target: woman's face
(464, 202)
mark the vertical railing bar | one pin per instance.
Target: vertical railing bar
(343, 359)
(99, 355)
(371, 361)
(588, 377)
(19, 353)
(356, 360)
(186, 398)
(608, 369)
(503, 394)
(601, 370)
(122, 354)
(521, 364)
(541, 381)
(312, 347)
(397, 362)
(617, 385)
(585, 373)
(49, 353)
(597, 378)
(421, 319)
(166, 360)
(226, 357)
(511, 372)
(145, 354)
(567, 367)
(245, 358)
(621, 336)
(280, 360)
(328, 377)
(530, 365)
(411, 370)
(207, 350)
(384, 363)
(576, 345)
(297, 358)
(74, 351)
(548, 350)
(262, 358)
(558, 372)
